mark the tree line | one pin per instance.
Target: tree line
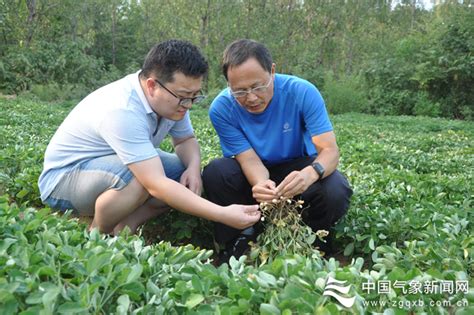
(374, 56)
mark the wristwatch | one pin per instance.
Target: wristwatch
(319, 169)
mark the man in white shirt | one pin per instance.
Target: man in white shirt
(103, 162)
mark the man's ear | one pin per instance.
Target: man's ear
(273, 68)
(150, 85)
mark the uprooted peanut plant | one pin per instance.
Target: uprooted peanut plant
(285, 232)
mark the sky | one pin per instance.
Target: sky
(427, 4)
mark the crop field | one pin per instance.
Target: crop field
(406, 245)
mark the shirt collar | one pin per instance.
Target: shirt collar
(141, 95)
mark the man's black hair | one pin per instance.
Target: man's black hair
(241, 50)
(171, 56)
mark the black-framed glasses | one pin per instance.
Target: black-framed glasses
(183, 101)
(256, 90)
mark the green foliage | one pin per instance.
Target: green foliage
(62, 62)
(424, 107)
(413, 180)
(410, 218)
(180, 229)
(26, 128)
(51, 264)
(428, 74)
(284, 232)
(53, 92)
(391, 89)
(404, 59)
(344, 95)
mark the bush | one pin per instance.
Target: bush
(344, 95)
(50, 92)
(391, 90)
(425, 107)
(61, 62)
(431, 75)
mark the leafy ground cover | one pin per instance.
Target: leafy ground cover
(409, 227)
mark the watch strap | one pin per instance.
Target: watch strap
(319, 169)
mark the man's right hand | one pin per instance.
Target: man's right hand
(240, 216)
(265, 191)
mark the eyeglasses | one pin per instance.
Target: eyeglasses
(255, 90)
(183, 101)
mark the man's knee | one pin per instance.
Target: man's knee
(216, 172)
(134, 194)
(172, 165)
(329, 199)
(136, 189)
(337, 194)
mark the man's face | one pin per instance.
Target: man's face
(247, 76)
(168, 105)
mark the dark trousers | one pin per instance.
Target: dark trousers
(327, 200)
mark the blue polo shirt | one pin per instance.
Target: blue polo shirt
(282, 131)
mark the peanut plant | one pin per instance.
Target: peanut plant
(285, 232)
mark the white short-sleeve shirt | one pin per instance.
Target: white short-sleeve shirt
(115, 119)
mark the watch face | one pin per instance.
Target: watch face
(319, 169)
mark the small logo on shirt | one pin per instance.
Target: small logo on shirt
(286, 127)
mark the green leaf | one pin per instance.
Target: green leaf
(135, 273)
(34, 298)
(33, 225)
(265, 279)
(134, 290)
(196, 282)
(5, 244)
(332, 309)
(71, 307)
(310, 240)
(269, 309)
(46, 271)
(466, 311)
(193, 300)
(245, 292)
(372, 244)
(96, 262)
(50, 296)
(10, 306)
(33, 310)
(11, 287)
(152, 288)
(123, 304)
(322, 310)
(349, 249)
(22, 193)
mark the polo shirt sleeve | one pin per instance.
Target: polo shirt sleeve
(128, 135)
(314, 111)
(231, 137)
(182, 128)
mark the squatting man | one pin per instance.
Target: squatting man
(103, 160)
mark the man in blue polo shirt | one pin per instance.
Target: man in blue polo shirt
(277, 140)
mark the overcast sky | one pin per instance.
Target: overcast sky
(427, 4)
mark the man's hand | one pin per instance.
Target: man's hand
(240, 216)
(265, 191)
(297, 182)
(192, 180)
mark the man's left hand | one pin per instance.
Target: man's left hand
(296, 183)
(192, 179)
